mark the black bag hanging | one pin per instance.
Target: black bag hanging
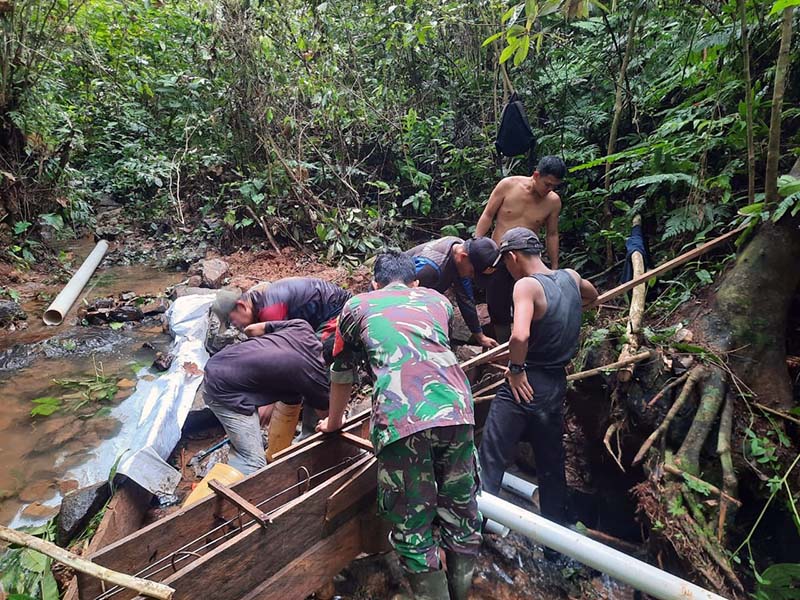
(515, 136)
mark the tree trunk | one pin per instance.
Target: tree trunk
(774, 145)
(751, 324)
(612, 136)
(748, 101)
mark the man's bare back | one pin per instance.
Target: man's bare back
(523, 202)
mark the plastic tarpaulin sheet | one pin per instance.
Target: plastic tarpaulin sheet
(153, 416)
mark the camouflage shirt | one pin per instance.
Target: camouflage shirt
(418, 383)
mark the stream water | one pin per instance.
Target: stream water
(36, 452)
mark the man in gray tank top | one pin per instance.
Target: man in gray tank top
(544, 338)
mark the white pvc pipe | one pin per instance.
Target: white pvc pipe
(517, 485)
(618, 565)
(59, 308)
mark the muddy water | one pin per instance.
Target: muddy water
(36, 452)
(109, 281)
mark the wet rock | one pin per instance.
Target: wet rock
(10, 311)
(156, 307)
(74, 342)
(163, 361)
(65, 486)
(460, 332)
(212, 270)
(37, 491)
(126, 314)
(65, 434)
(125, 384)
(195, 281)
(77, 509)
(184, 290)
(104, 427)
(38, 511)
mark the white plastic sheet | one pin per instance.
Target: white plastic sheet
(153, 416)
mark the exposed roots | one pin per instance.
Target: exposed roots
(665, 507)
(695, 375)
(713, 388)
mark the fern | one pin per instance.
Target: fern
(653, 180)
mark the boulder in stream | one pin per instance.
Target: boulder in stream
(212, 271)
(77, 509)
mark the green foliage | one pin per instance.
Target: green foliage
(78, 395)
(25, 573)
(779, 582)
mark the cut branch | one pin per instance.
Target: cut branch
(141, 586)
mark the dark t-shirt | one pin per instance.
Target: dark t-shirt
(313, 300)
(284, 365)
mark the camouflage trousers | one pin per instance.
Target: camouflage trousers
(429, 481)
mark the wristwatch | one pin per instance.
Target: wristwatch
(515, 369)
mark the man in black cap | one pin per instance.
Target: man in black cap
(451, 262)
(544, 338)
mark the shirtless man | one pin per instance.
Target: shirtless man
(529, 202)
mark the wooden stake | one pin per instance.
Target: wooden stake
(140, 586)
(636, 313)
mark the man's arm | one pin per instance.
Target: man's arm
(525, 292)
(465, 297)
(588, 291)
(490, 211)
(341, 371)
(340, 396)
(551, 239)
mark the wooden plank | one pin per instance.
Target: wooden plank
(315, 567)
(357, 441)
(152, 543)
(354, 423)
(223, 492)
(251, 557)
(361, 484)
(124, 515)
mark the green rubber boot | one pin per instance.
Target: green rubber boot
(459, 574)
(431, 585)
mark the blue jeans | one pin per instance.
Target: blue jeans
(244, 431)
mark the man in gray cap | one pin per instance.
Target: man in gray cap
(451, 262)
(544, 338)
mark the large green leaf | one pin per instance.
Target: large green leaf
(782, 5)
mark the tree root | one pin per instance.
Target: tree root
(694, 376)
(663, 506)
(713, 387)
(617, 456)
(730, 484)
(667, 388)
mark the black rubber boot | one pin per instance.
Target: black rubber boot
(459, 574)
(431, 585)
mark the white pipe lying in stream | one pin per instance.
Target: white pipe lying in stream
(519, 486)
(59, 308)
(618, 565)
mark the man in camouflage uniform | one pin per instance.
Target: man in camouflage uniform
(422, 424)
